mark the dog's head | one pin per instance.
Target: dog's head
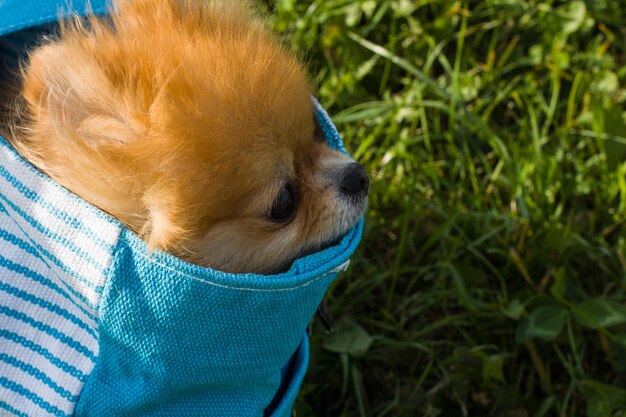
(195, 128)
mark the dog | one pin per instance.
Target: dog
(192, 125)
(170, 278)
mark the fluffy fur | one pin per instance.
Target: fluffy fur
(185, 122)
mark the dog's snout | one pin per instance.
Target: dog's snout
(355, 180)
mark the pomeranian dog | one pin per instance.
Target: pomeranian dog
(193, 126)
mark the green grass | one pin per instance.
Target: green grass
(491, 280)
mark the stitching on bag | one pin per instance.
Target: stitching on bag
(205, 281)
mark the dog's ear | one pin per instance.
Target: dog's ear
(68, 92)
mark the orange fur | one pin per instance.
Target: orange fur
(184, 121)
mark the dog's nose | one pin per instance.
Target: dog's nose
(355, 179)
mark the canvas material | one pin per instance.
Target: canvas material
(91, 325)
(20, 14)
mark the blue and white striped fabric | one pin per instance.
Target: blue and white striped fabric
(53, 258)
(93, 325)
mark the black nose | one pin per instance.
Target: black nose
(355, 180)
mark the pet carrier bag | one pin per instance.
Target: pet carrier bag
(91, 325)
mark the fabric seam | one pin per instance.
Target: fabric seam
(205, 281)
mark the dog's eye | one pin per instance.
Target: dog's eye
(284, 205)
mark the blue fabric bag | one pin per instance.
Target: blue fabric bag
(90, 325)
